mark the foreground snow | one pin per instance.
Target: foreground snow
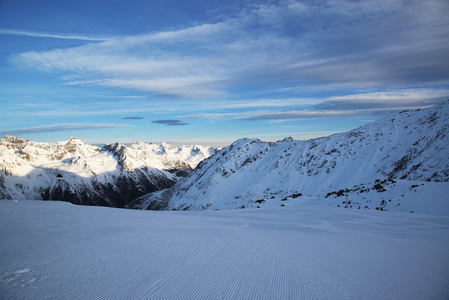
(57, 250)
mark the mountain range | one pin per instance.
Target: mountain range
(395, 163)
(74, 171)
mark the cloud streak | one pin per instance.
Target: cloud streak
(385, 101)
(170, 122)
(60, 127)
(49, 35)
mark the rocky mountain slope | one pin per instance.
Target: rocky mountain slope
(112, 176)
(395, 155)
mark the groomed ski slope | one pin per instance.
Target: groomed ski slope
(56, 250)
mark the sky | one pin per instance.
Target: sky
(211, 72)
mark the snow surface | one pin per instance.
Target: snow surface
(56, 250)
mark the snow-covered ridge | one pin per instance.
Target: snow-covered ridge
(160, 156)
(411, 146)
(92, 175)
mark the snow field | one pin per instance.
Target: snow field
(55, 250)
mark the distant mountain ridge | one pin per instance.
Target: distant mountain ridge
(411, 146)
(112, 175)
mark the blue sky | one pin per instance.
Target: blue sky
(210, 72)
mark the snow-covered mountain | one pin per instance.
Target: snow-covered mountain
(374, 166)
(112, 176)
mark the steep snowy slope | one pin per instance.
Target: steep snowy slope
(412, 146)
(113, 175)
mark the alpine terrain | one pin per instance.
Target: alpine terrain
(110, 176)
(396, 163)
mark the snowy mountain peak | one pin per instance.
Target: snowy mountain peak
(287, 139)
(75, 146)
(74, 142)
(13, 142)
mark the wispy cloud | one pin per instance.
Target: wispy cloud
(170, 122)
(60, 127)
(393, 100)
(50, 35)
